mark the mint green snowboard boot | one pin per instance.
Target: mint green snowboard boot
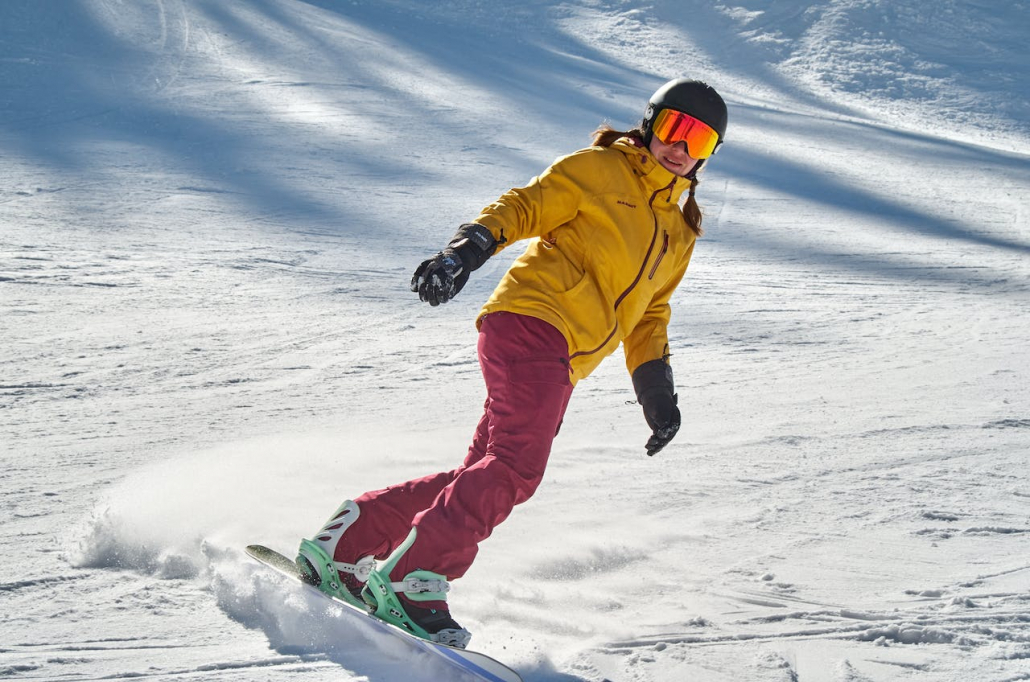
(436, 625)
(336, 578)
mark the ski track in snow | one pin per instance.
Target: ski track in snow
(209, 217)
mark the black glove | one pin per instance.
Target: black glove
(438, 279)
(652, 382)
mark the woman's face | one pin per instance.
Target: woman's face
(673, 157)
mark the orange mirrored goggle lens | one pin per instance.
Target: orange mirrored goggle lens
(674, 126)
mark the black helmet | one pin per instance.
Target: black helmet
(695, 98)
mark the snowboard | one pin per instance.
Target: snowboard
(473, 664)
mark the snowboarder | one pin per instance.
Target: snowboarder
(610, 244)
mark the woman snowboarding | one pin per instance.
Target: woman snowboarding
(610, 243)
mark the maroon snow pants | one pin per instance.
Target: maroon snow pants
(525, 363)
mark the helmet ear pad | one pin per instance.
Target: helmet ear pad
(645, 125)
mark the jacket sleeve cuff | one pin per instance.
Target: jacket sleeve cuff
(474, 244)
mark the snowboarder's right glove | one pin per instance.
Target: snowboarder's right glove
(439, 278)
(652, 382)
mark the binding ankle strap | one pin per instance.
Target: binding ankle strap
(360, 570)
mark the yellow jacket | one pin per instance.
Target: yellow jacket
(611, 247)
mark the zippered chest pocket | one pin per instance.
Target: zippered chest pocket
(660, 256)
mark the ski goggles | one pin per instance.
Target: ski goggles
(671, 126)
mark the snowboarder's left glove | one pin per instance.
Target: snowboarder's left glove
(438, 279)
(652, 382)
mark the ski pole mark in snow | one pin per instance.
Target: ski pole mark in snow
(38, 582)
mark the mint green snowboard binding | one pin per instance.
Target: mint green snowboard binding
(417, 586)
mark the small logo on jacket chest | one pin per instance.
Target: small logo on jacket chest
(626, 203)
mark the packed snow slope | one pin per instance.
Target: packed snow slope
(209, 213)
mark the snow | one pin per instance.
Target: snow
(208, 217)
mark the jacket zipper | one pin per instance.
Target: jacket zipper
(636, 280)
